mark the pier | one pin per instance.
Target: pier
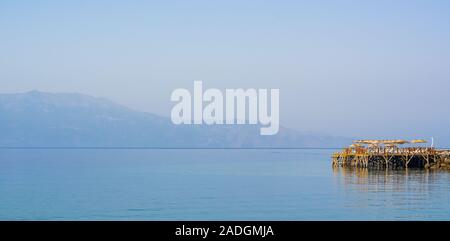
(391, 154)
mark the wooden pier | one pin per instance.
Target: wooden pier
(387, 154)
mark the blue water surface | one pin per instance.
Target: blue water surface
(148, 184)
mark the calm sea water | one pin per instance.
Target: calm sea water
(210, 185)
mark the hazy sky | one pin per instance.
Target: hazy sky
(354, 68)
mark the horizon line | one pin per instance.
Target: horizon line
(166, 148)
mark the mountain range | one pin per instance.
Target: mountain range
(41, 119)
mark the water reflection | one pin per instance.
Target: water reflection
(396, 194)
(394, 180)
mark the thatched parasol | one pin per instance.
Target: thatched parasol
(419, 141)
(384, 142)
(369, 142)
(394, 142)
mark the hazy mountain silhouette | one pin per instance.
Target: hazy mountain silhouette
(40, 119)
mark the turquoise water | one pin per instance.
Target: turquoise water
(210, 185)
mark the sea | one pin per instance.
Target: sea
(210, 184)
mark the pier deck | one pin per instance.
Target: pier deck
(387, 154)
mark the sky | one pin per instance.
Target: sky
(375, 69)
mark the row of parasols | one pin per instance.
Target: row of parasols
(359, 143)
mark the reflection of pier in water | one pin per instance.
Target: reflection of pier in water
(401, 194)
(388, 180)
